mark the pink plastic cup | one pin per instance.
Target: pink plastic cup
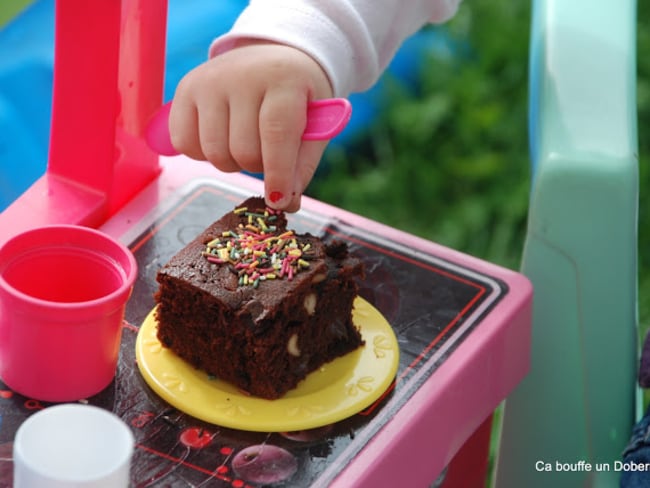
(63, 291)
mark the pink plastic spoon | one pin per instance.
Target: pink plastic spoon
(325, 119)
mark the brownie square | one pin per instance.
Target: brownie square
(257, 305)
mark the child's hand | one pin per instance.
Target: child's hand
(246, 110)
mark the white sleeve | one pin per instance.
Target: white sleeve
(353, 40)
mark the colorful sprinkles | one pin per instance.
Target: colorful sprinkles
(257, 250)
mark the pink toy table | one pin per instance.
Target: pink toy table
(463, 324)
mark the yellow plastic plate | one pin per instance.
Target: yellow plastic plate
(336, 391)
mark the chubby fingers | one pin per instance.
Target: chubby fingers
(253, 134)
(282, 119)
(184, 129)
(214, 130)
(244, 141)
(201, 131)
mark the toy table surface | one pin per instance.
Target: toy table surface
(463, 327)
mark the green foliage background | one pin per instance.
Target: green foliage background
(451, 163)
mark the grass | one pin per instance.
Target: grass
(10, 8)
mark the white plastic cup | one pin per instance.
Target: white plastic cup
(73, 446)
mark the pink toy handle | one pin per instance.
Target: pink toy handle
(326, 118)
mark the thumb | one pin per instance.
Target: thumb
(309, 157)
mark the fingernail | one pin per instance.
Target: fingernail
(276, 196)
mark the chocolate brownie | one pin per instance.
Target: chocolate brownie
(257, 305)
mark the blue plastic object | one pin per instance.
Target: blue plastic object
(25, 98)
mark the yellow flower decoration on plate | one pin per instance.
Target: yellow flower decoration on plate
(383, 345)
(173, 382)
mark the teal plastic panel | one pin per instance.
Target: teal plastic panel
(578, 402)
